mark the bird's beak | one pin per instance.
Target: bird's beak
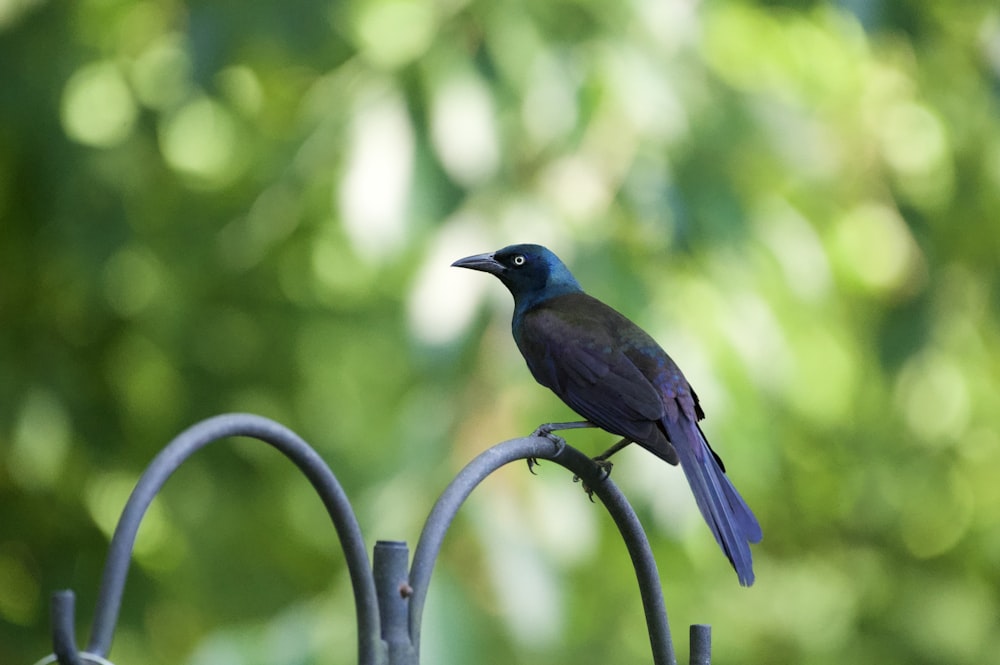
(481, 262)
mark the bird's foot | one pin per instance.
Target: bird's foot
(605, 466)
(586, 488)
(547, 432)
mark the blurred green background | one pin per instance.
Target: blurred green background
(221, 206)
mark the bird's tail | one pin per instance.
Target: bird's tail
(732, 522)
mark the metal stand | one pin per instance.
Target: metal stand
(389, 601)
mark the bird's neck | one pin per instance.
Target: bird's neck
(526, 300)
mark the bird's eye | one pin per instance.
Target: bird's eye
(519, 260)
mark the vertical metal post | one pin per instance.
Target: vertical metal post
(701, 644)
(63, 630)
(392, 588)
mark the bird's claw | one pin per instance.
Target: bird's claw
(545, 432)
(586, 488)
(605, 466)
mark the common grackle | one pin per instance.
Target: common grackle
(612, 373)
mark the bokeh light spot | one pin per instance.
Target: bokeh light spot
(373, 194)
(936, 514)
(40, 443)
(132, 279)
(19, 590)
(97, 106)
(874, 246)
(913, 139)
(161, 73)
(578, 186)
(149, 388)
(394, 32)
(797, 248)
(826, 371)
(338, 272)
(525, 584)
(813, 599)
(442, 303)
(242, 88)
(463, 129)
(11, 11)
(950, 618)
(200, 140)
(549, 110)
(934, 397)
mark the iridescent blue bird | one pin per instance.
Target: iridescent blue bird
(612, 373)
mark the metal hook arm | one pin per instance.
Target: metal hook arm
(594, 478)
(171, 457)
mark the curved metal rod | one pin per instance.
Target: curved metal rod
(593, 477)
(304, 457)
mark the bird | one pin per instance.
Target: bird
(613, 374)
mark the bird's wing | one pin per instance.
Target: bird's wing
(586, 368)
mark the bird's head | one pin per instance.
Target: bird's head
(532, 273)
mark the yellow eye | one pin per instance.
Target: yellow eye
(519, 260)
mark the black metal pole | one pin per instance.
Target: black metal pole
(594, 478)
(393, 588)
(701, 644)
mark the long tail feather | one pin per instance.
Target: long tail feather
(732, 522)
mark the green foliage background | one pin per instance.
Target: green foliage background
(227, 206)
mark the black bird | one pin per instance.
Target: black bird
(612, 373)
